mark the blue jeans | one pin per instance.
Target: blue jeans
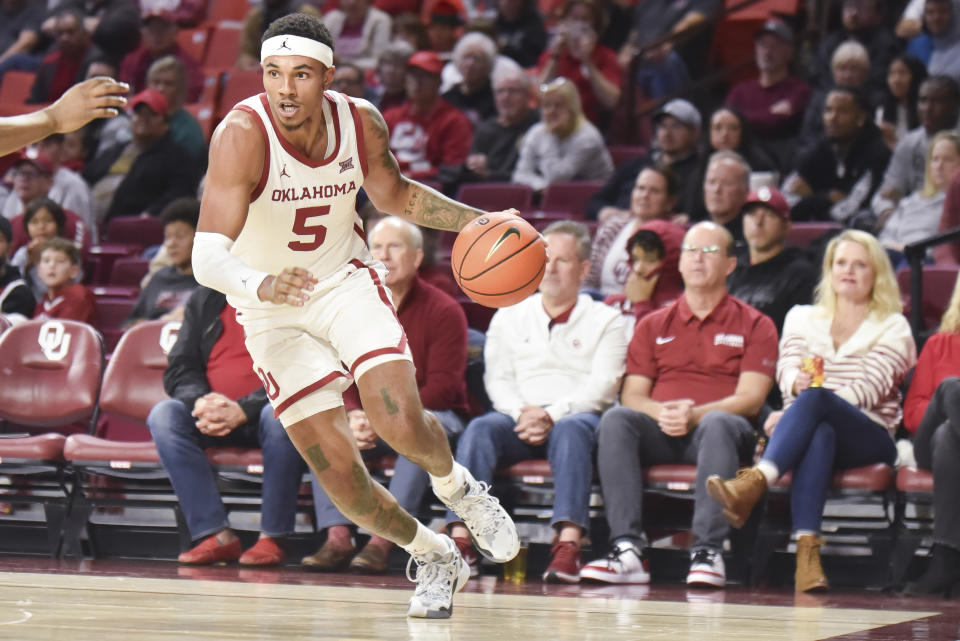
(408, 484)
(818, 434)
(181, 446)
(490, 442)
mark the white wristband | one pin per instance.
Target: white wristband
(215, 267)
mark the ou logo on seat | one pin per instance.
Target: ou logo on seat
(168, 336)
(54, 340)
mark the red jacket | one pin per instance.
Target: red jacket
(422, 144)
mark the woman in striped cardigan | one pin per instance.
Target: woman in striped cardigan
(842, 416)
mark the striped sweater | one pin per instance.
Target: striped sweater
(866, 370)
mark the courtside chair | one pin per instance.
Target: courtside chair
(50, 375)
(113, 472)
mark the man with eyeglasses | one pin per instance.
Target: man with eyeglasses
(496, 144)
(697, 374)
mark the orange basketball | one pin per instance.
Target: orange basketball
(498, 259)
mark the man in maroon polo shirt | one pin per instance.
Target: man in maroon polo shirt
(698, 372)
(436, 329)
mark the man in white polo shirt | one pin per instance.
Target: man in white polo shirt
(553, 364)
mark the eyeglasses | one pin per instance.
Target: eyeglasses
(706, 250)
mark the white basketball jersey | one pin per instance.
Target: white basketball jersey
(303, 212)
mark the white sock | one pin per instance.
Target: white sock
(446, 486)
(426, 541)
(800, 533)
(769, 470)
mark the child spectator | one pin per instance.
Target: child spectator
(42, 220)
(59, 267)
(165, 295)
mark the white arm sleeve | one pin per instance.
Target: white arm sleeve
(215, 267)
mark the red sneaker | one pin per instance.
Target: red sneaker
(565, 563)
(264, 552)
(469, 554)
(210, 550)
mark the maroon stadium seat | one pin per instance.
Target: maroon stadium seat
(497, 196)
(52, 372)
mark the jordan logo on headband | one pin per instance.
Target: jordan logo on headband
(290, 45)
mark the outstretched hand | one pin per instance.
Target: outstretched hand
(99, 97)
(292, 286)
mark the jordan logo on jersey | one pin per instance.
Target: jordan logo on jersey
(283, 172)
(346, 164)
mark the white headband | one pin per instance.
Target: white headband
(296, 46)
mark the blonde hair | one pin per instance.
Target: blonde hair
(170, 63)
(568, 91)
(929, 189)
(885, 295)
(950, 322)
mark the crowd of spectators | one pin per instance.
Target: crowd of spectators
(654, 336)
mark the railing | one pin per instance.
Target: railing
(915, 253)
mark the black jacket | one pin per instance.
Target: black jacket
(18, 299)
(163, 172)
(186, 376)
(775, 285)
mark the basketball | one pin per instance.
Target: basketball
(498, 259)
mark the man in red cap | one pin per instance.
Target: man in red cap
(430, 137)
(159, 38)
(770, 275)
(33, 176)
(149, 172)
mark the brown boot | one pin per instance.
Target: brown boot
(330, 557)
(809, 576)
(739, 495)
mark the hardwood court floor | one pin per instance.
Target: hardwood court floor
(147, 601)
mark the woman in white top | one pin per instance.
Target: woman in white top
(843, 416)
(918, 215)
(564, 145)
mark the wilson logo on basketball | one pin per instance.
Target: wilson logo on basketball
(513, 231)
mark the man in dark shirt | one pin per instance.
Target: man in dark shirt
(149, 172)
(67, 64)
(677, 131)
(496, 143)
(770, 276)
(216, 400)
(836, 179)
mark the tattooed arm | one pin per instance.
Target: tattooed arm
(393, 193)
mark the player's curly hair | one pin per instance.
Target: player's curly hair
(299, 24)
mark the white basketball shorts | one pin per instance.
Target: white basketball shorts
(306, 356)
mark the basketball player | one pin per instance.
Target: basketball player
(278, 234)
(94, 98)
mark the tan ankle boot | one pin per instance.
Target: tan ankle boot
(738, 495)
(809, 576)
